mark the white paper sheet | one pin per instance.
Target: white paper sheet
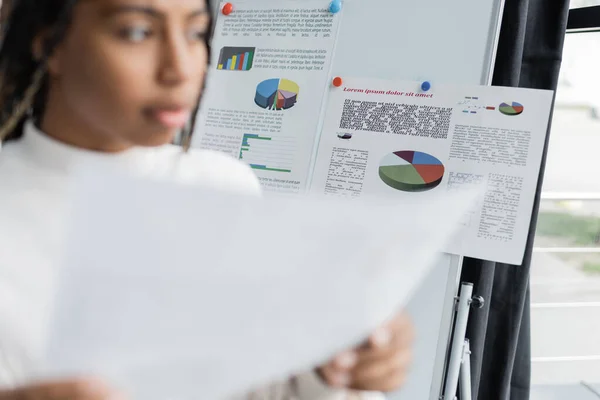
(174, 292)
(458, 135)
(266, 86)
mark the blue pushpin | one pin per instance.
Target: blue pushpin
(335, 6)
(425, 86)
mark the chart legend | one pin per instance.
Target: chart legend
(512, 109)
(473, 105)
(276, 94)
(275, 154)
(411, 171)
(236, 58)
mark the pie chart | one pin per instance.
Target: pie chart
(276, 94)
(411, 171)
(513, 108)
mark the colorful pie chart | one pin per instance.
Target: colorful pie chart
(411, 171)
(276, 94)
(513, 108)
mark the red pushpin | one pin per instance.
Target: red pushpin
(337, 81)
(227, 9)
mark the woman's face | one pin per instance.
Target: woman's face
(129, 72)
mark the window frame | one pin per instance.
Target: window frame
(584, 19)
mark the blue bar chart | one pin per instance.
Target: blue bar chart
(236, 58)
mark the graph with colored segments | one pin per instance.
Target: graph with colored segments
(236, 58)
(265, 153)
(411, 171)
(276, 94)
(512, 109)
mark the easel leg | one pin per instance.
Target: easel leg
(459, 364)
(458, 342)
(465, 373)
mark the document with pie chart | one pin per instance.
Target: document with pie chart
(390, 139)
(266, 90)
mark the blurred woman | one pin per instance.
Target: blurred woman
(113, 82)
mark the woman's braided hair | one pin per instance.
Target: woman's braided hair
(23, 75)
(23, 80)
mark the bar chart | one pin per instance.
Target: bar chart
(266, 153)
(236, 58)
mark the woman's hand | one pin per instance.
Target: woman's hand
(379, 365)
(65, 390)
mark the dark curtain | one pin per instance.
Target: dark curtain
(529, 55)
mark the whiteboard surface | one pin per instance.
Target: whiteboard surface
(446, 41)
(441, 41)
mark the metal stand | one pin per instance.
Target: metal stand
(459, 364)
(465, 373)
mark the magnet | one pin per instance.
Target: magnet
(335, 6)
(227, 8)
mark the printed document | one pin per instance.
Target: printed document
(395, 141)
(172, 291)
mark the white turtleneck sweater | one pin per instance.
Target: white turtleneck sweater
(34, 178)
